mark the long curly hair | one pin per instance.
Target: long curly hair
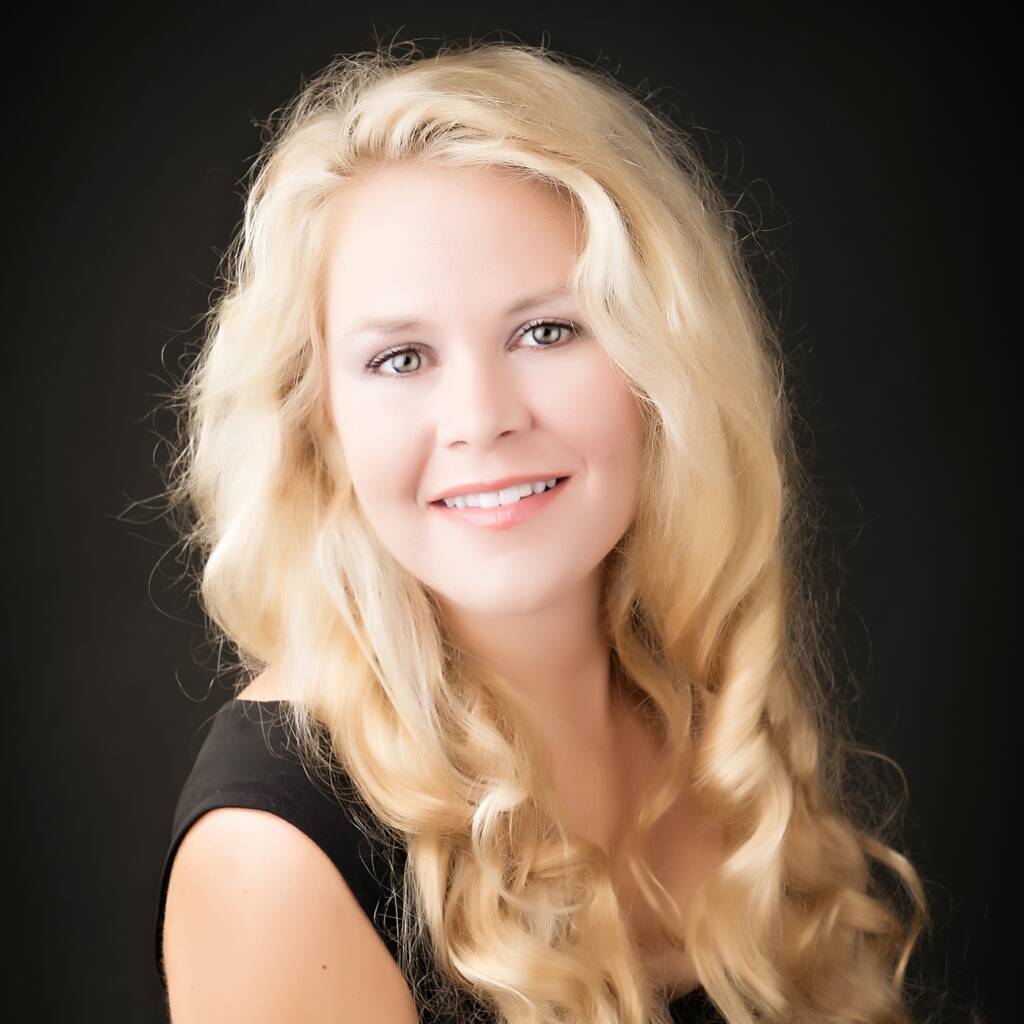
(710, 607)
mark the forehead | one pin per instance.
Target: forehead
(428, 234)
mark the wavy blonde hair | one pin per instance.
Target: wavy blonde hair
(709, 610)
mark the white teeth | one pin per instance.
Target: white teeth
(506, 496)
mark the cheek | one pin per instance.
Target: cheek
(375, 444)
(604, 418)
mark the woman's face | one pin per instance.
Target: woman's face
(451, 256)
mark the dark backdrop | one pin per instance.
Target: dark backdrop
(860, 148)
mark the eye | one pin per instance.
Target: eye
(549, 333)
(546, 326)
(391, 353)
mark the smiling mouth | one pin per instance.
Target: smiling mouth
(484, 508)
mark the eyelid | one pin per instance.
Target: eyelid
(374, 364)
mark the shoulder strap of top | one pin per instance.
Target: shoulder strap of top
(249, 760)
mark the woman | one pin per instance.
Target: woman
(528, 624)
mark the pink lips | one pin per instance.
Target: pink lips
(503, 516)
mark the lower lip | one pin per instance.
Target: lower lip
(503, 516)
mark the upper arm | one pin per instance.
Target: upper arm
(261, 927)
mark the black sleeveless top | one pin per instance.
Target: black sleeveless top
(249, 760)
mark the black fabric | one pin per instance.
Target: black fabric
(248, 760)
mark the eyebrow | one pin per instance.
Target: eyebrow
(392, 325)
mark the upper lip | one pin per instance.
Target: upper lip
(485, 486)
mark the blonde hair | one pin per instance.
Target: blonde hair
(709, 608)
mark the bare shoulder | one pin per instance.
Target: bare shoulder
(260, 926)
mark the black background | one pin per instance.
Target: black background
(861, 148)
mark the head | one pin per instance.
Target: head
(445, 191)
(650, 409)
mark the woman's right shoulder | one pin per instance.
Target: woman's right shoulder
(268, 897)
(260, 926)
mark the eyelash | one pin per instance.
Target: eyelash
(379, 360)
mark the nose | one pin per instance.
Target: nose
(481, 399)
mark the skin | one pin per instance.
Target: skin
(455, 248)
